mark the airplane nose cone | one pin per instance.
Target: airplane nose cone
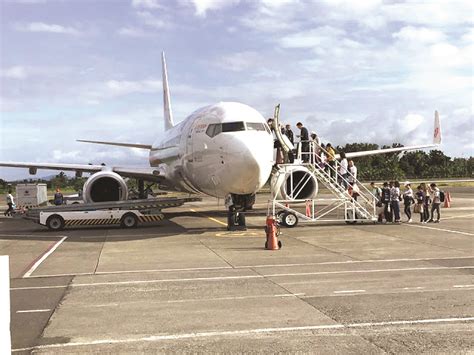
(249, 163)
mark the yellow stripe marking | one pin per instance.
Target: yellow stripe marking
(210, 218)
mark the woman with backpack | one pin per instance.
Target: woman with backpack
(419, 202)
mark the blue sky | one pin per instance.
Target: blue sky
(353, 71)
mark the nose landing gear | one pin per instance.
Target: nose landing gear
(237, 205)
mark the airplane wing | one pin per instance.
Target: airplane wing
(128, 145)
(385, 151)
(53, 166)
(436, 142)
(146, 173)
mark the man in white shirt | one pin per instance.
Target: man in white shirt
(436, 202)
(10, 203)
(343, 166)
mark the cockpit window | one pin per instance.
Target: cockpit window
(255, 126)
(214, 129)
(233, 126)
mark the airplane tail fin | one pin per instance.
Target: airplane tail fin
(437, 129)
(166, 96)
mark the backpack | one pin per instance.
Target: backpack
(441, 196)
(385, 195)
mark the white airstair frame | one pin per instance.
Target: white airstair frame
(329, 180)
(339, 191)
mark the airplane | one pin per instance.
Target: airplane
(220, 149)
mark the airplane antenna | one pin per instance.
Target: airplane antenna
(166, 96)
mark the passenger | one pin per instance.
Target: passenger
(331, 160)
(10, 203)
(395, 200)
(322, 157)
(289, 134)
(377, 192)
(408, 200)
(58, 197)
(353, 173)
(420, 201)
(426, 202)
(386, 201)
(436, 202)
(290, 156)
(343, 168)
(316, 139)
(304, 141)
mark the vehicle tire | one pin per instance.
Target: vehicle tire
(279, 216)
(279, 244)
(55, 222)
(129, 220)
(289, 220)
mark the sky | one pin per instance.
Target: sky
(352, 71)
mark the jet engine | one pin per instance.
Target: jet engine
(294, 183)
(105, 186)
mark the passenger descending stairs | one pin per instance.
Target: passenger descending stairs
(361, 209)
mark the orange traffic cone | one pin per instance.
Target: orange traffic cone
(272, 242)
(308, 208)
(447, 200)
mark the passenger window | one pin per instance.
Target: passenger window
(233, 126)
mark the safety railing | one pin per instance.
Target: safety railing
(333, 180)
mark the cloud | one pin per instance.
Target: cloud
(240, 61)
(124, 87)
(16, 72)
(49, 28)
(321, 36)
(419, 34)
(203, 6)
(152, 20)
(132, 32)
(147, 4)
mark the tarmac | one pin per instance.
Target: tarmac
(186, 285)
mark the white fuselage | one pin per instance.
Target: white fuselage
(219, 149)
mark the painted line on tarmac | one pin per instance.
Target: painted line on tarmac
(135, 271)
(413, 288)
(211, 334)
(350, 291)
(463, 286)
(454, 217)
(244, 267)
(37, 262)
(210, 218)
(369, 271)
(353, 262)
(243, 277)
(440, 229)
(33, 311)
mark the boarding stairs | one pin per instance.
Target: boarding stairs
(361, 207)
(358, 203)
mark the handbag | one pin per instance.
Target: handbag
(418, 208)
